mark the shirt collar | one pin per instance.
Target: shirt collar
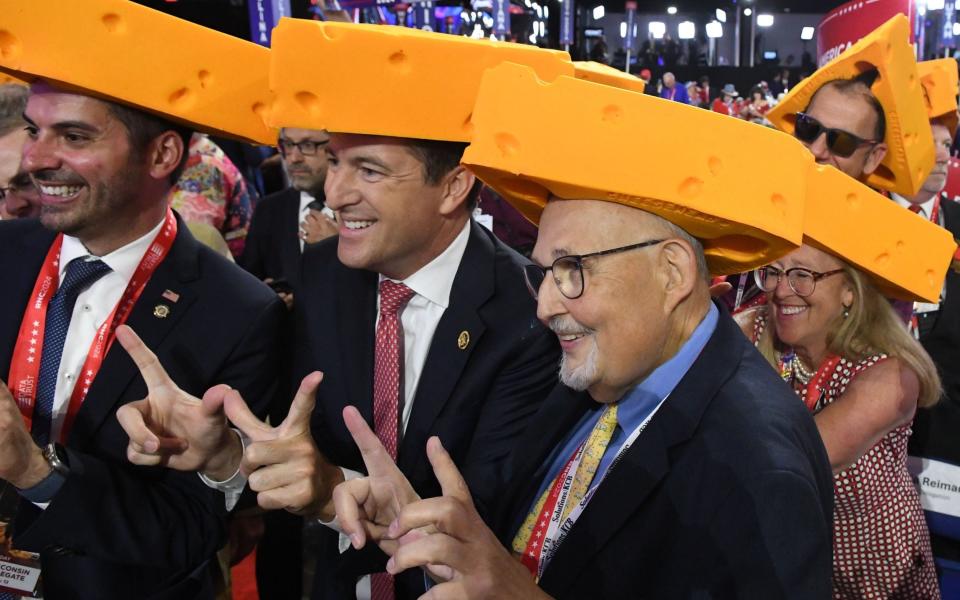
(435, 279)
(659, 384)
(305, 199)
(926, 208)
(123, 261)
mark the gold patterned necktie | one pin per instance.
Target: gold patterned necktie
(593, 451)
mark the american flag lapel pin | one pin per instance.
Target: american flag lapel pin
(170, 295)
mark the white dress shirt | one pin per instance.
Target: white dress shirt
(431, 286)
(94, 306)
(305, 199)
(925, 209)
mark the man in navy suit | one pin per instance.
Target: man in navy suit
(103, 527)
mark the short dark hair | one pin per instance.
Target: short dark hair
(143, 128)
(860, 85)
(13, 101)
(439, 158)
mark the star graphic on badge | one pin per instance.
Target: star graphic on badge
(30, 359)
(36, 323)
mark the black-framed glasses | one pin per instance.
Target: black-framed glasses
(840, 143)
(306, 147)
(568, 270)
(802, 281)
(19, 184)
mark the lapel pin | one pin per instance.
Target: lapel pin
(463, 340)
(161, 311)
(171, 296)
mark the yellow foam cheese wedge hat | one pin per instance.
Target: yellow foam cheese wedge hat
(910, 154)
(574, 139)
(386, 80)
(607, 75)
(904, 254)
(940, 85)
(124, 52)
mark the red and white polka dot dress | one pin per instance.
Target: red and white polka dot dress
(881, 544)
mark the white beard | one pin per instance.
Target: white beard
(582, 377)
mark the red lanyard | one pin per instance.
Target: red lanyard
(25, 366)
(531, 554)
(935, 212)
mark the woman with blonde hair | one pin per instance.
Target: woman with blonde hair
(830, 331)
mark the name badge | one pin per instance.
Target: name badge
(19, 570)
(938, 483)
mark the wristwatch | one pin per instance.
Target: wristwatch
(47, 488)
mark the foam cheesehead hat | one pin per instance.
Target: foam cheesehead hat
(571, 139)
(939, 79)
(607, 75)
(904, 254)
(910, 154)
(386, 80)
(123, 52)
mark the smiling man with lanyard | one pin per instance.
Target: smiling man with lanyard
(103, 151)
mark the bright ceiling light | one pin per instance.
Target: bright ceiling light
(956, 29)
(747, 11)
(764, 20)
(656, 28)
(686, 30)
(598, 12)
(721, 15)
(934, 4)
(623, 29)
(807, 33)
(671, 10)
(714, 29)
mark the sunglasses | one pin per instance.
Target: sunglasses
(840, 143)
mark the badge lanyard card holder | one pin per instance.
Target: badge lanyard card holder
(19, 570)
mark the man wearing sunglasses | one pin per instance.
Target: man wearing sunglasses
(844, 126)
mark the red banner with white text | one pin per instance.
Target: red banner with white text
(845, 25)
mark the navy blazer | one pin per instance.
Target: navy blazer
(728, 493)
(477, 399)
(272, 247)
(116, 530)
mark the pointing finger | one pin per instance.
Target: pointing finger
(150, 368)
(244, 420)
(301, 409)
(451, 481)
(375, 456)
(132, 421)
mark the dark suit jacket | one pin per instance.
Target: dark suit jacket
(478, 399)
(273, 247)
(935, 429)
(728, 492)
(116, 530)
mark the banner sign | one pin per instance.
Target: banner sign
(264, 16)
(845, 25)
(423, 16)
(566, 22)
(628, 39)
(501, 18)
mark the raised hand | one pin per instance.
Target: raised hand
(172, 428)
(282, 463)
(461, 553)
(366, 506)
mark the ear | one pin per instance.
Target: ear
(847, 296)
(679, 272)
(456, 187)
(165, 153)
(874, 158)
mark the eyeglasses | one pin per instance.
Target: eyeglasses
(568, 271)
(306, 147)
(802, 281)
(19, 184)
(840, 143)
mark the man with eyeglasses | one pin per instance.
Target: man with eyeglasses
(19, 199)
(672, 463)
(284, 222)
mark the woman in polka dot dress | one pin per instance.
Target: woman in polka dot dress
(838, 342)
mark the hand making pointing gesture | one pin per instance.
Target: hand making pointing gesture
(172, 428)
